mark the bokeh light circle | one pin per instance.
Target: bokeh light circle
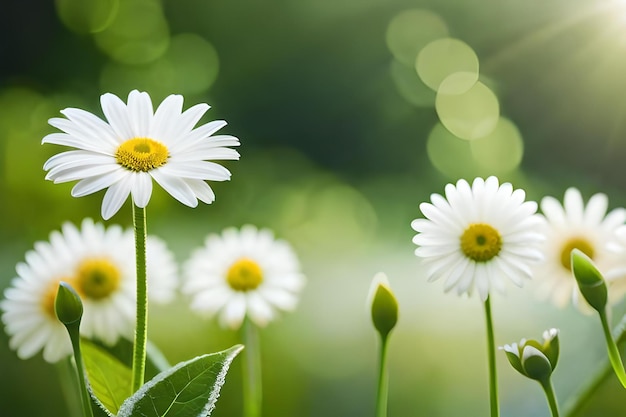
(83, 16)
(502, 150)
(447, 57)
(451, 155)
(409, 85)
(196, 63)
(138, 34)
(471, 115)
(189, 66)
(411, 30)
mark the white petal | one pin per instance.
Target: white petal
(115, 197)
(202, 190)
(164, 122)
(190, 117)
(200, 170)
(141, 188)
(596, 209)
(96, 128)
(78, 141)
(94, 184)
(209, 153)
(81, 172)
(139, 113)
(176, 187)
(258, 310)
(553, 211)
(117, 114)
(234, 312)
(76, 158)
(573, 203)
(202, 134)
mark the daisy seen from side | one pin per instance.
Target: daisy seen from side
(98, 263)
(243, 273)
(590, 229)
(137, 145)
(477, 236)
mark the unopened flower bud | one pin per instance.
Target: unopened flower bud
(590, 281)
(384, 305)
(67, 304)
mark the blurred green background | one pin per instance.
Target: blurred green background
(342, 138)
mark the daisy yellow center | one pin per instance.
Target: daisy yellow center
(481, 242)
(581, 244)
(96, 278)
(141, 154)
(244, 275)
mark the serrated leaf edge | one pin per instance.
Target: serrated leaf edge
(95, 400)
(126, 407)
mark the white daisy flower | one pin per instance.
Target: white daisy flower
(243, 273)
(138, 145)
(477, 236)
(589, 229)
(99, 263)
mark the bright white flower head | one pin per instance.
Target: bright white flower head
(136, 146)
(243, 273)
(478, 236)
(589, 229)
(99, 263)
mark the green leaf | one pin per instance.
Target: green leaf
(189, 389)
(108, 377)
(123, 352)
(99, 410)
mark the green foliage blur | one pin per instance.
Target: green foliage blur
(339, 147)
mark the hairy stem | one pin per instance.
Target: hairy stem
(141, 331)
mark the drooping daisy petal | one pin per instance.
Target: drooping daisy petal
(177, 187)
(92, 184)
(99, 263)
(115, 196)
(141, 189)
(243, 273)
(137, 144)
(477, 236)
(587, 228)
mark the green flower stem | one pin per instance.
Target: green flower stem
(383, 380)
(69, 387)
(575, 404)
(252, 383)
(491, 351)
(546, 384)
(73, 330)
(614, 357)
(141, 331)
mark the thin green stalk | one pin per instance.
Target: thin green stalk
(614, 357)
(141, 331)
(383, 380)
(576, 403)
(69, 387)
(548, 388)
(80, 370)
(491, 354)
(252, 383)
